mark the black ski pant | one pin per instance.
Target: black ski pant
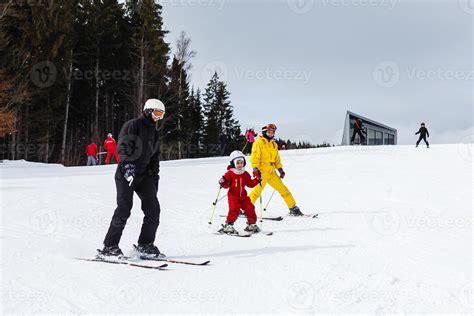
(146, 189)
(361, 136)
(422, 138)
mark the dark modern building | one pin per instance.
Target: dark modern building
(375, 133)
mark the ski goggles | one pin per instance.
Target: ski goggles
(269, 127)
(158, 114)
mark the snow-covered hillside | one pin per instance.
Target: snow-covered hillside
(394, 234)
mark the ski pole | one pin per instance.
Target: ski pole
(261, 204)
(214, 206)
(245, 145)
(222, 198)
(265, 209)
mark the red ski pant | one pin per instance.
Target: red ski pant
(235, 204)
(109, 154)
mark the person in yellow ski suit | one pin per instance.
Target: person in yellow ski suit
(265, 159)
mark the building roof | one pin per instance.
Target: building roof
(372, 121)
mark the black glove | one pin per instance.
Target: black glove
(129, 173)
(282, 173)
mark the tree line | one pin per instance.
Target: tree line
(73, 71)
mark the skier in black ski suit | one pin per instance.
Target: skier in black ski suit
(358, 130)
(138, 171)
(423, 131)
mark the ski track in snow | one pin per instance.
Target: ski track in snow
(394, 235)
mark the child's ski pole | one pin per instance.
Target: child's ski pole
(214, 206)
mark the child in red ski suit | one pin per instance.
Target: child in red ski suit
(236, 179)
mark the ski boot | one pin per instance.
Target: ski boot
(228, 228)
(252, 228)
(149, 251)
(295, 211)
(110, 251)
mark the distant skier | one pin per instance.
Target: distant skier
(358, 129)
(236, 179)
(223, 143)
(111, 147)
(250, 136)
(265, 160)
(423, 131)
(91, 152)
(138, 171)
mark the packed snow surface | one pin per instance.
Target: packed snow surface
(394, 234)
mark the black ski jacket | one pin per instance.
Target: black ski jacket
(423, 132)
(139, 144)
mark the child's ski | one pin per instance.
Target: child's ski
(235, 235)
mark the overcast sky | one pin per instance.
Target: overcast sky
(302, 64)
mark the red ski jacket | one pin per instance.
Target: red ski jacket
(110, 144)
(236, 181)
(91, 150)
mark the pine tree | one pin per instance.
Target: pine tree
(222, 131)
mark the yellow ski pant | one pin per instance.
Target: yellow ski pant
(275, 182)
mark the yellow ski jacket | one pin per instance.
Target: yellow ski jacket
(265, 155)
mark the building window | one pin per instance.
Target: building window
(371, 134)
(378, 138)
(391, 139)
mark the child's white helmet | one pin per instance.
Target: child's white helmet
(236, 154)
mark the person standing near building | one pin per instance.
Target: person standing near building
(91, 152)
(423, 131)
(265, 159)
(358, 129)
(138, 171)
(111, 147)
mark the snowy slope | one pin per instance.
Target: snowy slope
(394, 235)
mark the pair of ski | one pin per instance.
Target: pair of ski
(125, 260)
(246, 234)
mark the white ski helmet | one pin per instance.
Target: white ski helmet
(154, 104)
(236, 154)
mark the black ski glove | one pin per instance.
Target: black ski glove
(129, 173)
(282, 173)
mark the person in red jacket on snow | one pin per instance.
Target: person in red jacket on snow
(236, 179)
(91, 152)
(111, 147)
